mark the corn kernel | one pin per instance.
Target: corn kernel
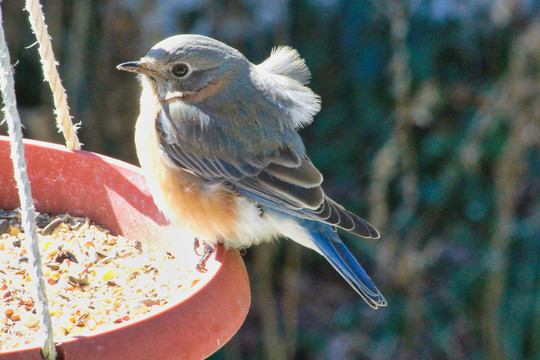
(109, 275)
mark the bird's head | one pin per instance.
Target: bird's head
(190, 67)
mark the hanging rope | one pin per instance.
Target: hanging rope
(63, 120)
(25, 196)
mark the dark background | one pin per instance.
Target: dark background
(430, 129)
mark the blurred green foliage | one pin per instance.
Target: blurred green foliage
(430, 128)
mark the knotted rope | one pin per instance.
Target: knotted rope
(63, 119)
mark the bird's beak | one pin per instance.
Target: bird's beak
(139, 67)
(133, 66)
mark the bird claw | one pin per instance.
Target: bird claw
(196, 245)
(208, 251)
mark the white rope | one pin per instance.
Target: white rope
(25, 196)
(63, 120)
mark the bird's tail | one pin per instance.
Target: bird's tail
(327, 243)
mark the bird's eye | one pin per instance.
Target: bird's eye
(180, 70)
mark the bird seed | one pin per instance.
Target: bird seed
(94, 279)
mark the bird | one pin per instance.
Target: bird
(217, 139)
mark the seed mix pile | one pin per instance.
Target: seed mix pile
(94, 279)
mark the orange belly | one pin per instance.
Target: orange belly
(210, 215)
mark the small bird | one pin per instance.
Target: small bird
(217, 140)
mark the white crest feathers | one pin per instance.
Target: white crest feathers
(286, 61)
(284, 76)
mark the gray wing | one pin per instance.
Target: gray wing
(259, 161)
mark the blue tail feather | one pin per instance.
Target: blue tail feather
(327, 241)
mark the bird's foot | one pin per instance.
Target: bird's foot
(208, 251)
(196, 245)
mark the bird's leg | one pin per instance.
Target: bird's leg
(208, 250)
(196, 245)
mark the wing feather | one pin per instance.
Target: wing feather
(277, 174)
